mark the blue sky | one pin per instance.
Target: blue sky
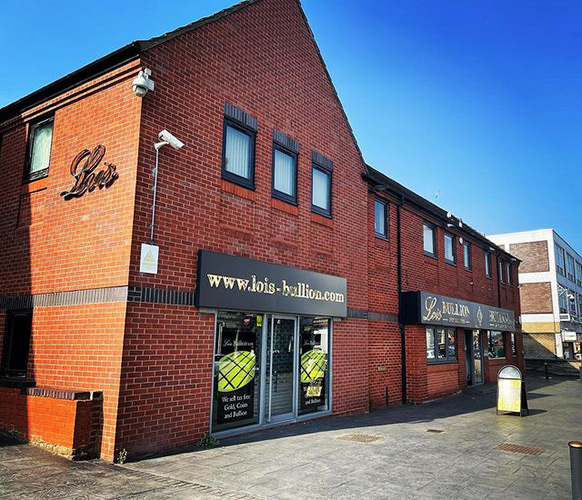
(479, 100)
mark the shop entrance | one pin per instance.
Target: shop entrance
(268, 369)
(280, 370)
(474, 357)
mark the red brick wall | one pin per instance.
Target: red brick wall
(51, 245)
(62, 425)
(261, 59)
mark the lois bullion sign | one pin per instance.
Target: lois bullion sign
(228, 282)
(432, 309)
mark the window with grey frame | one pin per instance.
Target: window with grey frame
(509, 274)
(40, 138)
(429, 239)
(441, 345)
(578, 273)
(381, 218)
(321, 171)
(284, 174)
(560, 266)
(467, 255)
(238, 154)
(450, 248)
(501, 270)
(570, 268)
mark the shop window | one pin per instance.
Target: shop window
(238, 154)
(450, 249)
(237, 364)
(40, 138)
(496, 343)
(17, 344)
(380, 218)
(321, 190)
(513, 345)
(284, 174)
(441, 344)
(467, 255)
(487, 264)
(559, 252)
(313, 365)
(429, 235)
(570, 268)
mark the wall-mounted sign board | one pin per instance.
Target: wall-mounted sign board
(241, 284)
(424, 308)
(511, 394)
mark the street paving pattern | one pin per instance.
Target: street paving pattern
(391, 453)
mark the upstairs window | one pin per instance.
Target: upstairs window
(563, 301)
(467, 255)
(285, 153)
(450, 250)
(501, 268)
(284, 174)
(238, 149)
(321, 169)
(40, 140)
(509, 274)
(578, 273)
(429, 235)
(488, 264)
(380, 218)
(560, 268)
(570, 268)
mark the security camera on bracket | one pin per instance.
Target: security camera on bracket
(142, 83)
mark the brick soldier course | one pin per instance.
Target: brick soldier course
(131, 350)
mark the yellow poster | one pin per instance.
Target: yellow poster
(509, 395)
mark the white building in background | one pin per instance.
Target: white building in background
(550, 280)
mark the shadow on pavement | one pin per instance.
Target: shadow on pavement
(474, 399)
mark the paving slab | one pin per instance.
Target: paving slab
(320, 460)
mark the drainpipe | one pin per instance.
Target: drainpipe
(401, 326)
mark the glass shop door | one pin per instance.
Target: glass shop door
(281, 369)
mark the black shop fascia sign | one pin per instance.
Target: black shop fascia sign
(424, 308)
(237, 283)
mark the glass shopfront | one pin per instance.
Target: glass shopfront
(269, 368)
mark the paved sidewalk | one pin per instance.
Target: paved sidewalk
(405, 458)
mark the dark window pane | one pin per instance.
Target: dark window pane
(442, 343)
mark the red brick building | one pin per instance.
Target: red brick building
(231, 288)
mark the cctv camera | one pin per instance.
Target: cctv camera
(142, 83)
(168, 138)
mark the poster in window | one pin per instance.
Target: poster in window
(235, 370)
(313, 365)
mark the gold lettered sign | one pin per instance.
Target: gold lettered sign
(511, 394)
